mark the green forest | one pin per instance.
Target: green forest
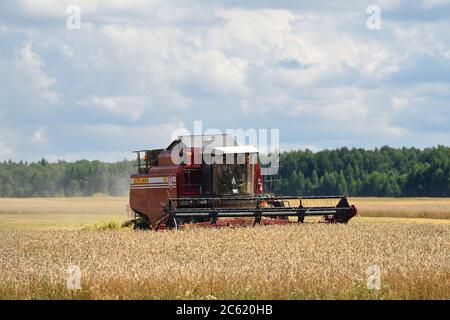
(387, 172)
(64, 179)
(355, 172)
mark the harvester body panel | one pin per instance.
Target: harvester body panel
(150, 192)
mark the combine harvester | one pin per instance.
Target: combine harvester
(167, 194)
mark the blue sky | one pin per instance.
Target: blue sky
(137, 70)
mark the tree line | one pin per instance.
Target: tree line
(356, 172)
(64, 179)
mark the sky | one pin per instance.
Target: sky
(135, 71)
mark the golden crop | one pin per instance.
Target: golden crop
(435, 208)
(74, 213)
(268, 262)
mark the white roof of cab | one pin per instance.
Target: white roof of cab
(235, 149)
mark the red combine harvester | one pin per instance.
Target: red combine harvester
(178, 187)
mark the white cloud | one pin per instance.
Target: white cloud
(54, 8)
(67, 51)
(301, 67)
(129, 137)
(166, 59)
(38, 137)
(215, 72)
(31, 65)
(130, 107)
(98, 61)
(400, 103)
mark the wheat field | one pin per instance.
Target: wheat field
(41, 238)
(428, 208)
(76, 213)
(60, 213)
(310, 261)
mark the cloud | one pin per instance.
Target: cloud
(38, 136)
(67, 51)
(31, 66)
(52, 8)
(135, 71)
(133, 137)
(130, 107)
(400, 103)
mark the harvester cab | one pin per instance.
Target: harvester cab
(212, 180)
